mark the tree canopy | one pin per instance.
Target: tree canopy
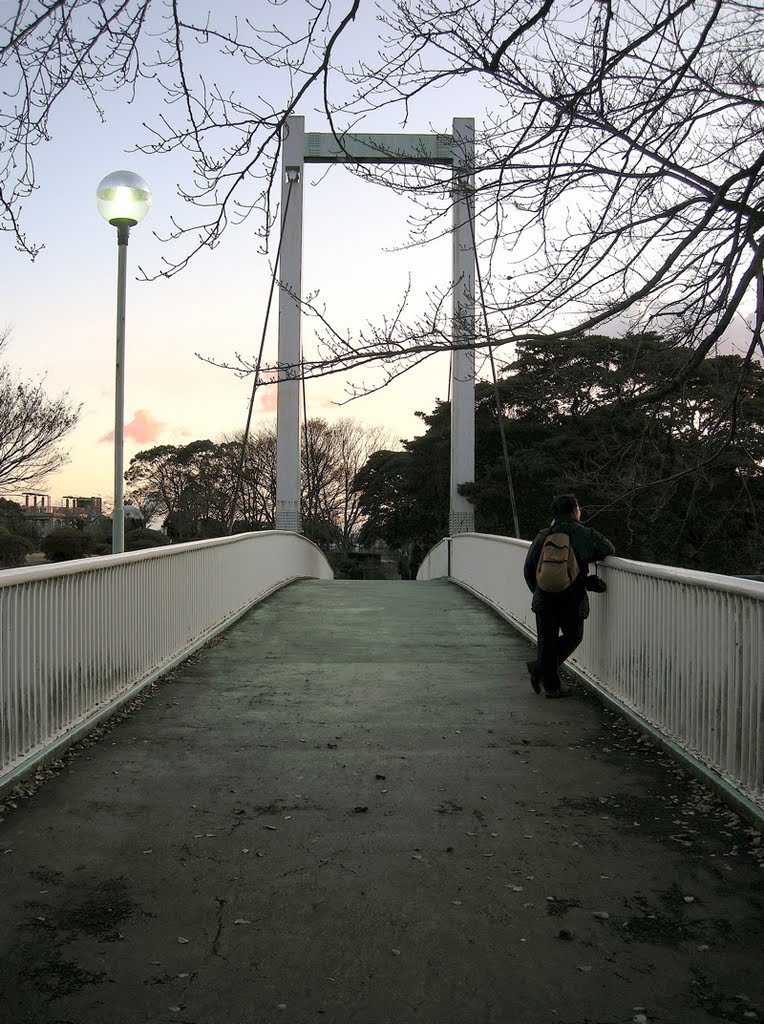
(193, 485)
(681, 483)
(18, 537)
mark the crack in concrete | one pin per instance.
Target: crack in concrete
(215, 942)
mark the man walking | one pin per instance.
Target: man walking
(555, 570)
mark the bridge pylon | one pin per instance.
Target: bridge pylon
(456, 150)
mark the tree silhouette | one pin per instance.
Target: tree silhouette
(32, 426)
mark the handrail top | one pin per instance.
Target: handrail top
(51, 570)
(672, 573)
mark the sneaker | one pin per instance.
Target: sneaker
(553, 693)
(534, 674)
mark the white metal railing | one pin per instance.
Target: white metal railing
(78, 638)
(683, 651)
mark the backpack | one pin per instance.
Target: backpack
(558, 565)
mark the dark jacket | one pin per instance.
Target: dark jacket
(588, 545)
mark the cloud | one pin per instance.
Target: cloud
(266, 398)
(142, 428)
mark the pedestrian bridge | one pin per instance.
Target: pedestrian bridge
(352, 807)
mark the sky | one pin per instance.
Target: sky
(61, 308)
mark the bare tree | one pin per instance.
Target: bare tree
(32, 426)
(256, 502)
(193, 485)
(619, 173)
(619, 179)
(232, 141)
(320, 499)
(354, 445)
(332, 455)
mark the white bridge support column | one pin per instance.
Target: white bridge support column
(457, 151)
(289, 352)
(461, 511)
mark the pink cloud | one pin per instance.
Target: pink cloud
(265, 401)
(142, 428)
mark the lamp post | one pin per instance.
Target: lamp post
(123, 199)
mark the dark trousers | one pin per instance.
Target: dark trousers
(559, 629)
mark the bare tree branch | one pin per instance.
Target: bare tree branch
(619, 168)
(32, 425)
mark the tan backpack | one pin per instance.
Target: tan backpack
(558, 566)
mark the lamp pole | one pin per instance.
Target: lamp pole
(118, 515)
(123, 199)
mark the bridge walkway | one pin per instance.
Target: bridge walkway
(352, 808)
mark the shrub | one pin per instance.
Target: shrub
(64, 544)
(140, 538)
(13, 548)
(99, 531)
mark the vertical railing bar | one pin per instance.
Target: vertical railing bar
(27, 709)
(705, 681)
(692, 642)
(747, 739)
(757, 702)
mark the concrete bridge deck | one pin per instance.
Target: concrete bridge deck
(352, 808)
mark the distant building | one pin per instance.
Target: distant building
(89, 507)
(39, 509)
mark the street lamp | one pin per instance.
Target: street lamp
(123, 199)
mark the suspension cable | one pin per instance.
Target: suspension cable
(306, 442)
(256, 381)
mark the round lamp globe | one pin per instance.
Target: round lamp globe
(123, 198)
